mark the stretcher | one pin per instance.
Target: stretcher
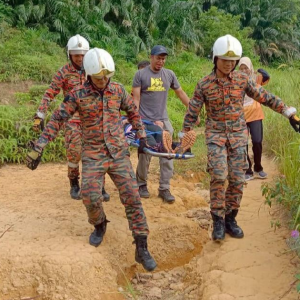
(134, 142)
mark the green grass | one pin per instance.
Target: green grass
(283, 143)
(16, 129)
(28, 55)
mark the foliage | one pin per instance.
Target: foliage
(214, 24)
(298, 283)
(16, 130)
(274, 24)
(126, 28)
(281, 141)
(123, 27)
(281, 193)
(6, 13)
(28, 55)
(176, 21)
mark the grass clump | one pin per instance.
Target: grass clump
(28, 55)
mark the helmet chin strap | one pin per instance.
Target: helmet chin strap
(95, 87)
(75, 65)
(216, 65)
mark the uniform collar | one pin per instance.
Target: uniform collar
(214, 77)
(109, 87)
(72, 68)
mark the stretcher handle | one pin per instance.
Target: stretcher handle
(186, 155)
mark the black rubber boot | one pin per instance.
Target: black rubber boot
(142, 255)
(97, 235)
(105, 195)
(75, 189)
(218, 233)
(231, 225)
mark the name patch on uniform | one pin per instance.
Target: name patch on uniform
(114, 98)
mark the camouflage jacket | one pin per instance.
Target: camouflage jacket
(66, 79)
(224, 99)
(102, 129)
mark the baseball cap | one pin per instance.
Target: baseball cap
(159, 49)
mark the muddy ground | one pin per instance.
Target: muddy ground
(45, 255)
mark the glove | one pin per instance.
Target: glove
(143, 144)
(34, 157)
(38, 125)
(265, 76)
(295, 123)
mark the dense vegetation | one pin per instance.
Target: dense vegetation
(127, 27)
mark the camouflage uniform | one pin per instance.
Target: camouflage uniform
(226, 132)
(66, 79)
(104, 148)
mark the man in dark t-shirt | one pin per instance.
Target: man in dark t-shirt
(150, 92)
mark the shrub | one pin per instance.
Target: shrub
(28, 54)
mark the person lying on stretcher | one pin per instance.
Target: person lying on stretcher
(159, 140)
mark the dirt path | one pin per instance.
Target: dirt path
(255, 267)
(45, 253)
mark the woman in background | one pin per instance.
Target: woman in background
(254, 116)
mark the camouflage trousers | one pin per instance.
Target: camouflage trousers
(73, 144)
(225, 162)
(121, 172)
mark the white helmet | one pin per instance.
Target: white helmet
(98, 63)
(77, 45)
(227, 47)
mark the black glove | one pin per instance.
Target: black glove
(143, 144)
(38, 124)
(265, 76)
(34, 157)
(295, 122)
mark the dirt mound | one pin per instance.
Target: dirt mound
(8, 90)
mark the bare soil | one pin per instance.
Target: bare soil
(8, 90)
(44, 250)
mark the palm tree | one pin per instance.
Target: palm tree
(275, 25)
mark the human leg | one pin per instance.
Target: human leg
(122, 174)
(93, 172)
(156, 134)
(237, 165)
(249, 172)
(106, 196)
(73, 144)
(217, 169)
(142, 174)
(257, 138)
(166, 171)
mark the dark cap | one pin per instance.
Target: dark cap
(159, 49)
